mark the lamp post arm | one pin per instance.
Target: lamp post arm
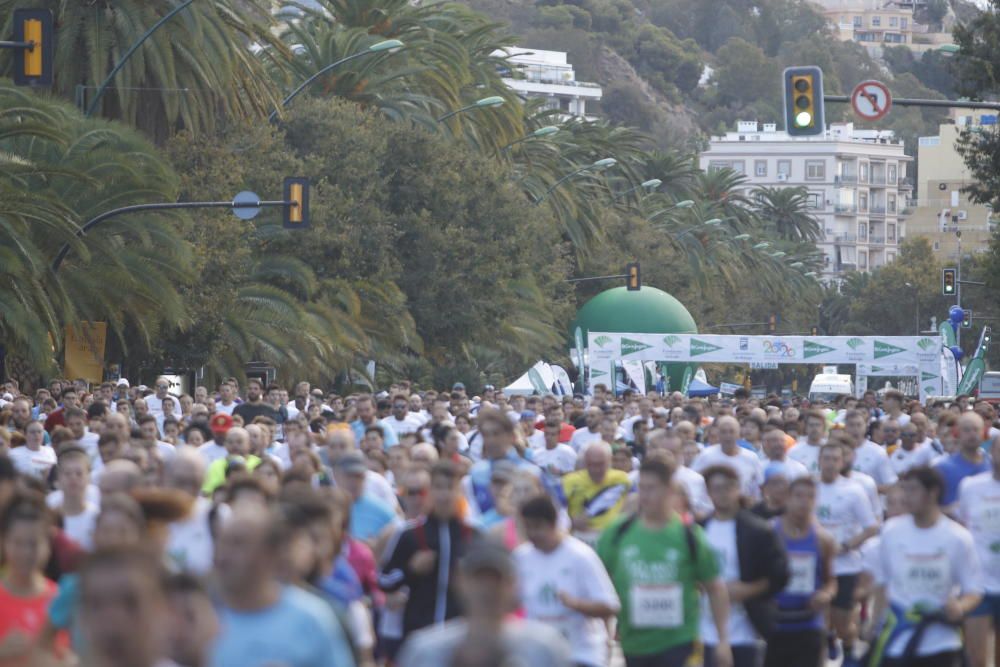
(305, 84)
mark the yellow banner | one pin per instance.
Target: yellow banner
(85, 351)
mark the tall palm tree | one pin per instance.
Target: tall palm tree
(786, 211)
(197, 68)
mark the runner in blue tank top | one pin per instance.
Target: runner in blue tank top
(800, 631)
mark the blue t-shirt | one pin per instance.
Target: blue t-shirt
(369, 517)
(343, 585)
(954, 469)
(300, 630)
(388, 432)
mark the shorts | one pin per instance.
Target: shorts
(798, 648)
(946, 659)
(990, 606)
(846, 583)
(676, 656)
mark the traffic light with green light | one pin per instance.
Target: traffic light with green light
(987, 335)
(296, 203)
(966, 319)
(633, 279)
(804, 101)
(949, 281)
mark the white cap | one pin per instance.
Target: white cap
(123, 381)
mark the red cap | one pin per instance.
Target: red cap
(221, 423)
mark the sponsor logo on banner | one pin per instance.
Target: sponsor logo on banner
(602, 340)
(876, 369)
(594, 373)
(883, 349)
(812, 349)
(925, 376)
(630, 346)
(700, 347)
(671, 340)
(778, 349)
(744, 344)
(855, 343)
(926, 344)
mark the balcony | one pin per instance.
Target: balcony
(844, 238)
(846, 179)
(876, 240)
(876, 212)
(845, 209)
(877, 179)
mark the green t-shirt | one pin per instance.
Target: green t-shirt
(656, 579)
(215, 476)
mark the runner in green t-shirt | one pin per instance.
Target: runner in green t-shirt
(656, 562)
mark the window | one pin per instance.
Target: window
(863, 172)
(876, 21)
(890, 171)
(739, 166)
(893, 21)
(890, 233)
(815, 170)
(890, 257)
(862, 231)
(937, 246)
(785, 168)
(760, 168)
(862, 202)
(903, 23)
(857, 21)
(716, 165)
(814, 200)
(862, 260)
(891, 206)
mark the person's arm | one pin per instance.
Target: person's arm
(865, 518)
(589, 608)
(718, 600)
(740, 591)
(395, 572)
(824, 595)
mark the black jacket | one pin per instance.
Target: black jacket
(422, 607)
(762, 555)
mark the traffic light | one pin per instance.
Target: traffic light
(804, 101)
(297, 203)
(814, 331)
(33, 64)
(772, 323)
(949, 281)
(966, 319)
(987, 334)
(633, 279)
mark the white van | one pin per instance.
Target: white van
(829, 386)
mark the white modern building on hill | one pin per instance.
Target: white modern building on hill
(856, 182)
(549, 76)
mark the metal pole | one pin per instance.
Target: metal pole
(321, 72)
(917, 102)
(132, 49)
(958, 286)
(162, 206)
(456, 112)
(17, 45)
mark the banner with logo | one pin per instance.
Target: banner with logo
(921, 352)
(85, 351)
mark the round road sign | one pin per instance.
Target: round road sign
(871, 100)
(243, 211)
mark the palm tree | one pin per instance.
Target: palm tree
(786, 211)
(197, 68)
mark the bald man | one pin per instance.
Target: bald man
(120, 476)
(969, 460)
(729, 453)
(660, 440)
(237, 444)
(595, 495)
(189, 541)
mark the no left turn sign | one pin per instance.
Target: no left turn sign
(871, 100)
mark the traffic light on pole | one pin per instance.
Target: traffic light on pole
(987, 334)
(296, 203)
(814, 331)
(804, 101)
(966, 319)
(772, 323)
(633, 279)
(949, 281)
(33, 64)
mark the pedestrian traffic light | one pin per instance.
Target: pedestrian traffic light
(804, 101)
(772, 323)
(633, 279)
(966, 319)
(33, 62)
(296, 203)
(949, 281)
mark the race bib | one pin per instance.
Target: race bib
(802, 567)
(657, 606)
(927, 578)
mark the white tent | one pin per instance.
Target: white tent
(538, 380)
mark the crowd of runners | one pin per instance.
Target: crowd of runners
(249, 525)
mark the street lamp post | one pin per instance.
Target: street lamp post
(389, 45)
(484, 103)
(599, 165)
(710, 224)
(651, 184)
(546, 131)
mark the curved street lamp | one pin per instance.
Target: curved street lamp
(389, 45)
(546, 131)
(484, 103)
(741, 237)
(761, 246)
(651, 184)
(599, 165)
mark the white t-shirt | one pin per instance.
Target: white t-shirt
(746, 464)
(166, 450)
(93, 497)
(411, 423)
(575, 569)
(536, 441)
(807, 455)
(228, 409)
(629, 423)
(793, 467)
(870, 488)
(211, 452)
(33, 463)
(844, 510)
(155, 404)
(379, 487)
(80, 528)
(902, 460)
(926, 567)
(694, 485)
(89, 444)
(561, 456)
(189, 542)
(979, 509)
(583, 438)
(721, 537)
(872, 460)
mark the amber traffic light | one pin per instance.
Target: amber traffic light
(296, 203)
(633, 279)
(33, 61)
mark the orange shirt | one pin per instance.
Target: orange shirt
(27, 615)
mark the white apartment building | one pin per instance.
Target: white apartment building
(548, 75)
(856, 182)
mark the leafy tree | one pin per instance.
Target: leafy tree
(786, 211)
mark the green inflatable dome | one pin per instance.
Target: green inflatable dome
(647, 310)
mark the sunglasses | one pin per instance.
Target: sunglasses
(415, 493)
(909, 435)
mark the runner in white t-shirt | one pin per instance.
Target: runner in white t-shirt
(909, 454)
(79, 515)
(869, 458)
(806, 451)
(728, 453)
(845, 512)
(564, 584)
(693, 483)
(555, 457)
(979, 510)
(927, 564)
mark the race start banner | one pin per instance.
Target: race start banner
(914, 356)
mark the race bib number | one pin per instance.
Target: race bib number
(927, 578)
(659, 606)
(802, 567)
